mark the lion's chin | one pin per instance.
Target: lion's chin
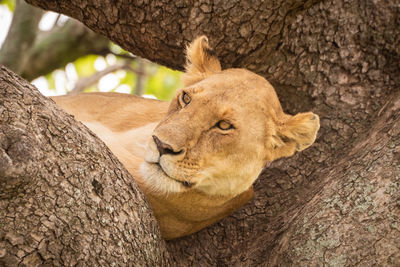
(156, 180)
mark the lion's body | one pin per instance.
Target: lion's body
(197, 157)
(126, 136)
(119, 112)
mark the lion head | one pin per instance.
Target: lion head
(221, 129)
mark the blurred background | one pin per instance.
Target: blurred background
(60, 56)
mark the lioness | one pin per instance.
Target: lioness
(197, 157)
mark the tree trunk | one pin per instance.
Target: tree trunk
(21, 35)
(64, 198)
(338, 202)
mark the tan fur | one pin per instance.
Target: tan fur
(206, 172)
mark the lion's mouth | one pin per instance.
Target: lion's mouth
(184, 183)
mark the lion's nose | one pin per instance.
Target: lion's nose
(164, 148)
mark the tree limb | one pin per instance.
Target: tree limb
(21, 36)
(140, 78)
(62, 45)
(32, 53)
(64, 197)
(86, 82)
(258, 23)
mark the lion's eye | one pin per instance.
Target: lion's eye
(224, 125)
(186, 98)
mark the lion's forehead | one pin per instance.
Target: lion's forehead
(210, 107)
(236, 88)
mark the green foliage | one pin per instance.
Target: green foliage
(159, 81)
(163, 83)
(85, 65)
(9, 3)
(116, 49)
(51, 80)
(130, 80)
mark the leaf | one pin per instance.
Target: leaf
(85, 65)
(164, 83)
(116, 49)
(51, 81)
(129, 79)
(9, 3)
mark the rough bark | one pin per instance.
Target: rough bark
(236, 28)
(64, 198)
(335, 204)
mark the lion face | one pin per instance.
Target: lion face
(221, 129)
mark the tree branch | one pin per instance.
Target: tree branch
(75, 202)
(86, 82)
(140, 77)
(259, 26)
(50, 50)
(62, 45)
(21, 36)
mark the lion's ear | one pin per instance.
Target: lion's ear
(295, 134)
(201, 61)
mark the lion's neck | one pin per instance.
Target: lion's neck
(226, 186)
(180, 214)
(227, 182)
